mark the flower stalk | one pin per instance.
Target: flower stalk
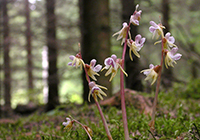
(99, 108)
(152, 122)
(104, 121)
(87, 129)
(123, 105)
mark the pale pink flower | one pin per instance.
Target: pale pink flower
(76, 61)
(171, 57)
(136, 45)
(168, 41)
(122, 33)
(92, 69)
(95, 90)
(113, 64)
(151, 73)
(135, 18)
(156, 29)
(68, 125)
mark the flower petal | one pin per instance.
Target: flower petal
(151, 66)
(176, 56)
(174, 50)
(97, 68)
(93, 62)
(71, 57)
(153, 23)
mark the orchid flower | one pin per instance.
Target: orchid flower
(156, 29)
(89, 130)
(76, 61)
(170, 57)
(168, 41)
(136, 45)
(135, 18)
(113, 64)
(122, 33)
(95, 90)
(68, 125)
(151, 73)
(92, 69)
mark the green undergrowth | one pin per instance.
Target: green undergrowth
(177, 118)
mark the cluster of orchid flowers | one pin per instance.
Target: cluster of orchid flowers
(168, 49)
(113, 64)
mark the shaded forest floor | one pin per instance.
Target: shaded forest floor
(178, 118)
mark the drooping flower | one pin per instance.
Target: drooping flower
(151, 73)
(68, 125)
(92, 69)
(168, 41)
(170, 57)
(156, 29)
(89, 130)
(95, 90)
(113, 64)
(136, 45)
(135, 18)
(122, 33)
(76, 61)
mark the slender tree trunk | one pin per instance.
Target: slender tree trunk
(95, 42)
(28, 46)
(133, 81)
(6, 58)
(168, 73)
(193, 67)
(53, 99)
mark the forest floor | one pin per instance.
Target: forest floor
(177, 117)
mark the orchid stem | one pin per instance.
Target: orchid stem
(83, 128)
(104, 121)
(152, 122)
(123, 105)
(99, 108)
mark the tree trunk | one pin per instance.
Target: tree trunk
(95, 41)
(133, 81)
(28, 47)
(6, 58)
(193, 67)
(53, 99)
(168, 73)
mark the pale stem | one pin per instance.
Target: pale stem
(104, 121)
(123, 105)
(84, 129)
(157, 91)
(100, 111)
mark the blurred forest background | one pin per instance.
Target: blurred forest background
(38, 36)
